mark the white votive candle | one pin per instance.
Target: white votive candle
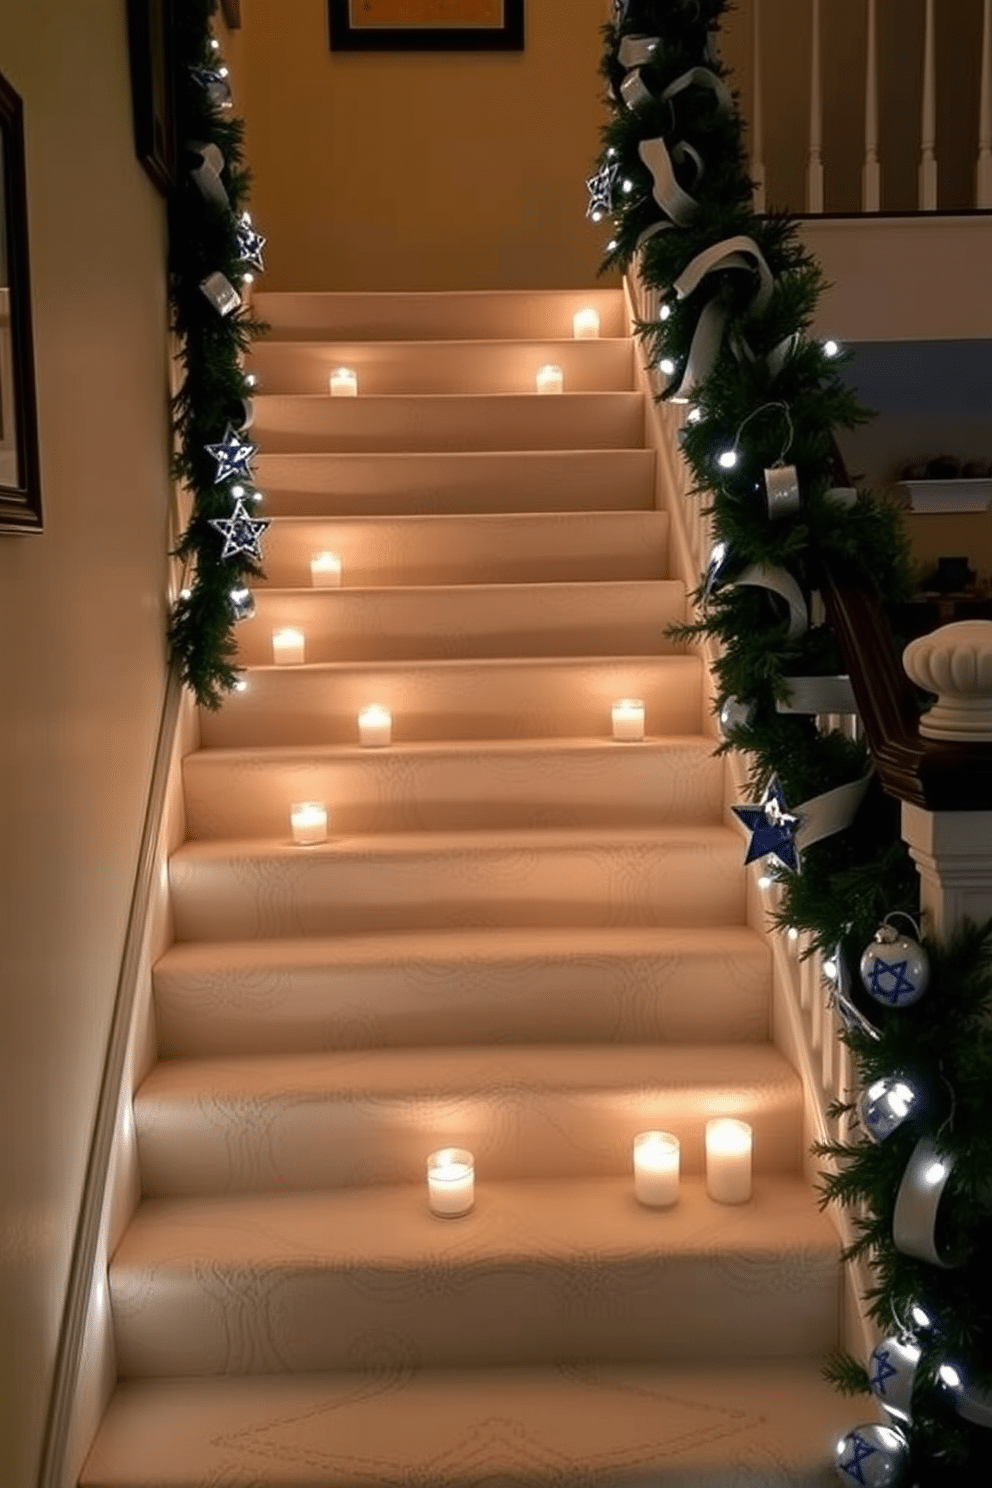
(289, 647)
(309, 819)
(728, 1161)
(550, 380)
(628, 718)
(375, 726)
(325, 570)
(344, 383)
(585, 325)
(656, 1169)
(450, 1182)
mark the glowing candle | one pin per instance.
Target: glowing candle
(289, 647)
(728, 1161)
(628, 718)
(656, 1169)
(309, 819)
(550, 380)
(375, 726)
(585, 325)
(450, 1182)
(325, 570)
(344, 383)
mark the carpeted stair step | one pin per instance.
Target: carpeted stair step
(482, 548)
(479, 314)
(456, 482)
(257, 889)
(540, 1272)
(457, 421)
(360, 1119)
(453, 786)
(418, 989)
(518, 698)
(468, 620)
(495, 366)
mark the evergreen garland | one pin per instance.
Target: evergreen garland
(772, 394)
(203, 239)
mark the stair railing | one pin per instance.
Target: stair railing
(925, 34)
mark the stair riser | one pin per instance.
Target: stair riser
(238, 1005)
(599, 366)
(244, 794)
(482, 314)
(302, 1316)
(343, 888)
(467, 482)
(583, 421)
(535, 699)
(467, 621)
(198, 1144)
(518, 548)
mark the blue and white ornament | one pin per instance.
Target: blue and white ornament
(884, 1106)
(601, 188)
(241, 532)
(233, 455)
(735, 714)
(892, 1371)
(895, 969)
(772, 827)
(873, 1456)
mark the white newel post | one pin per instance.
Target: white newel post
(953, 849)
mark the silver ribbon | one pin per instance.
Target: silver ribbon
(914, 1222)
(673, 201)
(634, 91)
(845, 496)
(701, 77)
(207, 174)
(221, 293)
(779, 355)
(975, 1406)
(818, 695)
(732, 253)
(635, 51)
(782, 492)
(780, 582)
(706, 342)
(822, 816)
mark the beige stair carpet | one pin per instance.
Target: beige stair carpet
(521, 937)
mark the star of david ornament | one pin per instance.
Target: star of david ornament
(773, 828)
(233, 456)
(874, 1456)
(213, 81)
(601, 191)
(250, 243)
(241, 532)
(892, 1375)
(895, 969)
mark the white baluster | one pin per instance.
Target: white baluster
(814, 169)
(757, 116)
(871, 172)
(983, 181)
(928, 127)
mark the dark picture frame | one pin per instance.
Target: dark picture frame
(427, 36)
(20, 468)
(149, 25)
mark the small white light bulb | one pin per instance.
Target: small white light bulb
(727, 460)
(241, 685)
(628, 187)
(611, 245)
(237, 492)
(597, 216)
(831, 349)
(950, 1376)
(251, 380)
(248, 278)
(694, 416)
(764, 882)
(610, 153)
(185, 594)
(921, 1318)
(830, 970)
(224, 72)
(667, 366)
(214, 44)
(793, 933)
(665, 313)
(935, 1173)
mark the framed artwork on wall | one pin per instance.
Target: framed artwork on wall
(149, 24)
(426, 25)
(20, 473)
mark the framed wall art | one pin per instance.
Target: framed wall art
(20, 473)
(426, 25)
(149, 25)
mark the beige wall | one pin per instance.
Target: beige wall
(81, 657)
(423, 170)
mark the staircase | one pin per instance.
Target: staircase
(521, 937)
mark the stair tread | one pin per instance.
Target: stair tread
(604, 1426)
(458, 945)
(504, 749)
(523, 1223)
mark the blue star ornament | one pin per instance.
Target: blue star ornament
(888, 981)
(861, 1450)
(601, 192)
(250, 243)
(773, 828)
(241, 532)
(233, 456)
(884, 1371)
